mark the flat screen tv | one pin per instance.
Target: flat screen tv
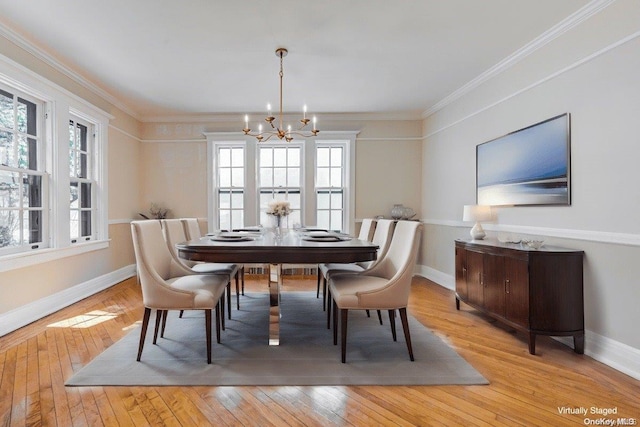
(530, 166)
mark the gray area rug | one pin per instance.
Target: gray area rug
(306, 354)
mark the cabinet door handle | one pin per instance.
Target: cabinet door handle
(481, 276)
(507, 286)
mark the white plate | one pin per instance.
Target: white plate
(326, 238)
(231, 238)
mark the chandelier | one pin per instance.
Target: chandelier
(278, 129)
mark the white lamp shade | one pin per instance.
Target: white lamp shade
(476, 213)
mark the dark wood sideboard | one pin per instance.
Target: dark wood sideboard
(537, 291)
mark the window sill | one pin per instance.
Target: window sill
(27, 259)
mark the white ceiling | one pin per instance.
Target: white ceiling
(161, 58)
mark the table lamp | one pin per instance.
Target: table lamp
(477, 214)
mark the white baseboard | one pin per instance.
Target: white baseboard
(615, 354)
(442, 279)
(619, 356)
(21, 316)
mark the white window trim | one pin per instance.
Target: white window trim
(59, 105)
(308, 201)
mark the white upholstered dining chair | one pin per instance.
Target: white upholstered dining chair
(385, 286)
(168, 285)
(382, 237)
(193, 232)
(174, 233)
(367, 227)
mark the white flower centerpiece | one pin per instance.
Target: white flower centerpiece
(279, 210)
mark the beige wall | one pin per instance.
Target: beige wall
(388, 164)
(592, 73)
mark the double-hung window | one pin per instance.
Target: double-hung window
(330, 187)
(22, 203)
(314, 175)
(53, 171)
(82, 182)
(280, 178)
(230, 189)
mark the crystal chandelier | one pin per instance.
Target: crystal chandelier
(278, 129)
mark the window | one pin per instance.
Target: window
(230, 190)
(280, 178)
(82, 182)
(330, 185)
(314, 175)
(22, 204)
(53, 186)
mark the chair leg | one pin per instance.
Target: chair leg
(238, 289)
(181, 313)
(329, 300)
(344, 314)
(158, 319)
(222, 312)
(379, 317)
(392, 321)
(164, 322)
(324, 293)
(407, 335)
(229, 298)
(318, 286)
(242, 275)
(143, 331)
(217, 314)
(368, 313)
(207, 319)
(335, 322)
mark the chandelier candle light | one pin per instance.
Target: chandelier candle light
(279, 130)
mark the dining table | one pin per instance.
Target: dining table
(275, 248)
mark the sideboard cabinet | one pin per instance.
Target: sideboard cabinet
(537, 291)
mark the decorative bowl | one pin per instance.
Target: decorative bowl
(533, 244)
(508, 238)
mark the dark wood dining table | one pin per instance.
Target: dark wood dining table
(275, 249)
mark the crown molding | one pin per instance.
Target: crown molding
(573, 20)
(238, 117)
(48, 59)
(537, 83)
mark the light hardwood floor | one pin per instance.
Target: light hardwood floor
(525, 390)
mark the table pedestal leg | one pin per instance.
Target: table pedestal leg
(275, 281)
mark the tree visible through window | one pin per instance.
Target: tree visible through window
(21, 183)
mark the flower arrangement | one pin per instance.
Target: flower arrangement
(279, 208)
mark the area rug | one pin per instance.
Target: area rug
(306, 354)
